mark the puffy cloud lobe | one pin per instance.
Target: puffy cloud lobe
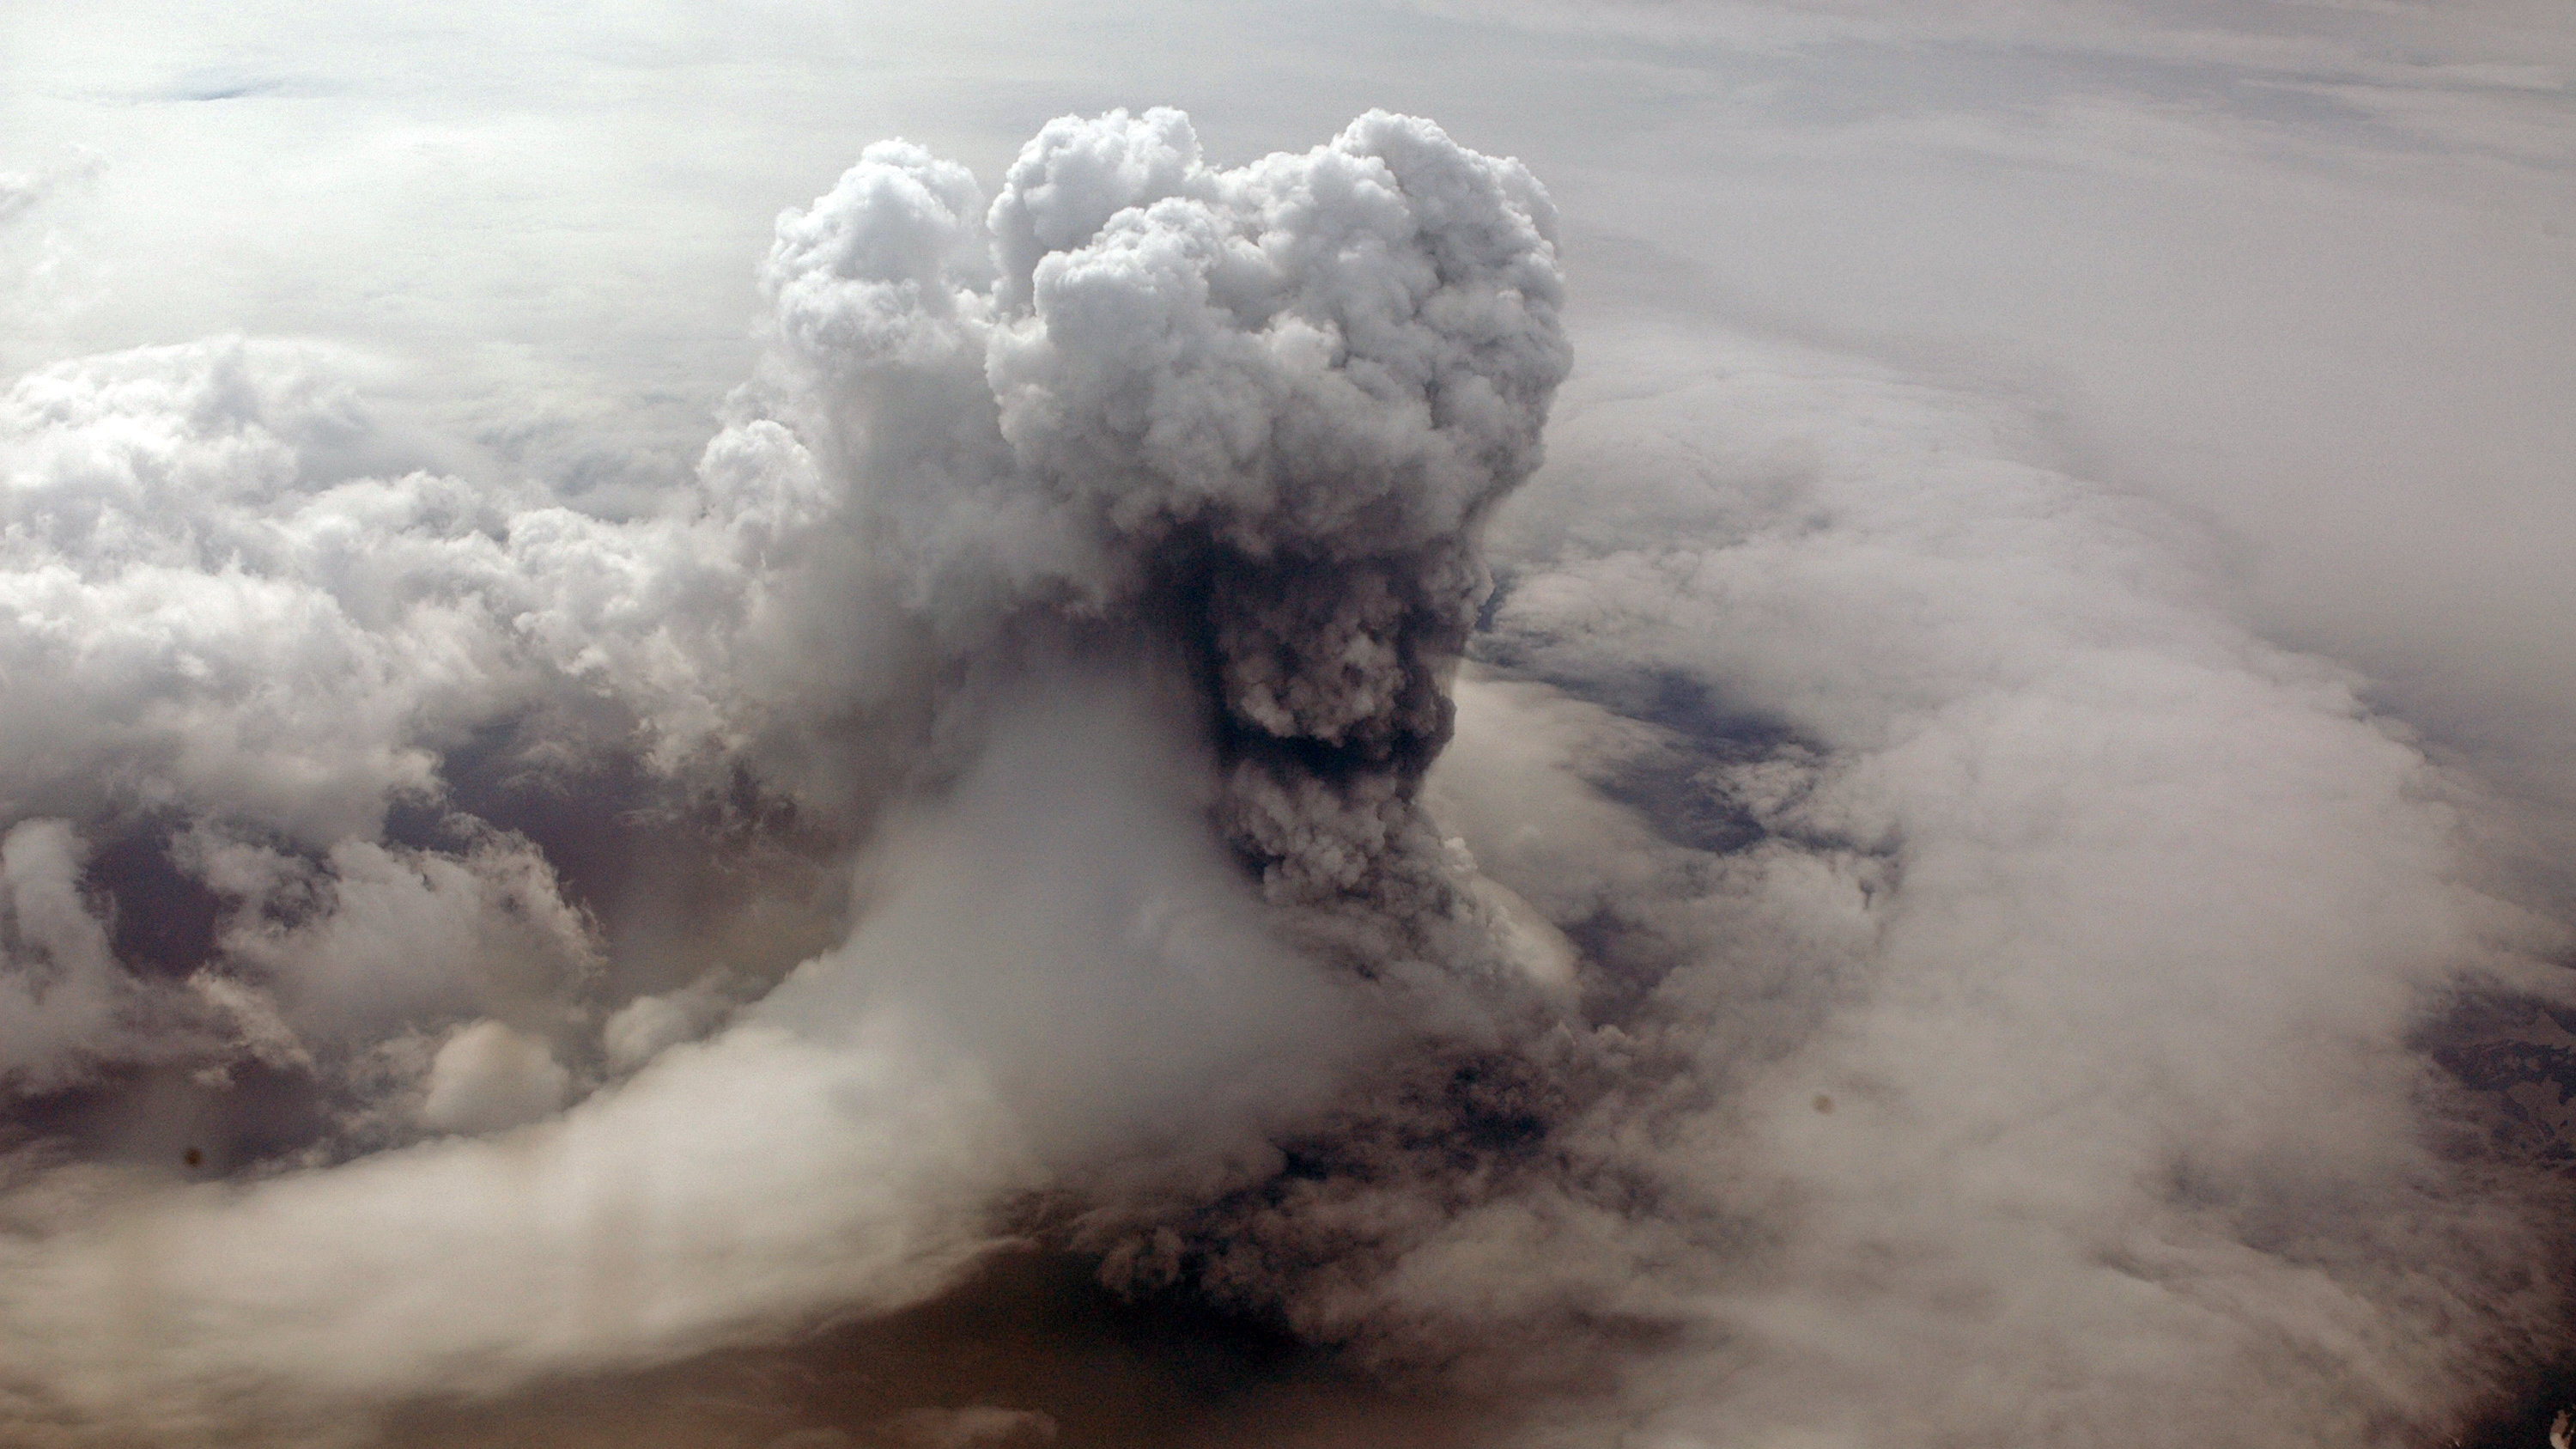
(195, 578)
(645, 1027)
(238, 614)
(249, 636)
(488, 1077)
(207, 544)
(371, 938)
(1348, 352)
(1076, 174)
(871, 273)
(240, 623)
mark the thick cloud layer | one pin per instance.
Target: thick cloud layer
(2068, 945)
(1880, 957)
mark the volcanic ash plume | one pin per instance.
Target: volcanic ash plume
(1259, 413)
(1079, 587)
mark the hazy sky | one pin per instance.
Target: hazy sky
(2037, 662)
